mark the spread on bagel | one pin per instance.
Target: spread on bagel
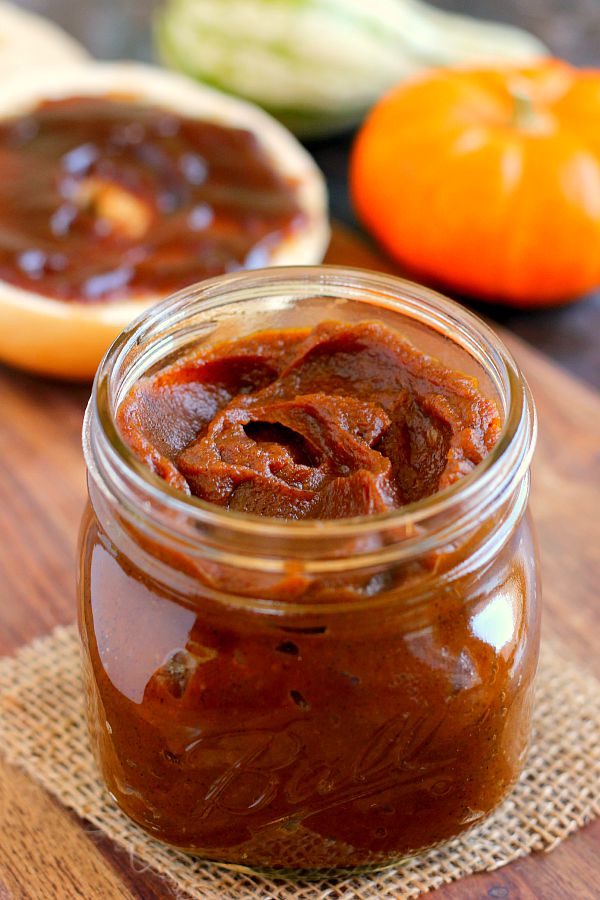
(103, 198)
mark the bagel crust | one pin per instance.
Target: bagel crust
(27, 40)
(67, 339)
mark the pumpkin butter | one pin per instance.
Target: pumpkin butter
(333, 422)
(343, 713)
(105, 199)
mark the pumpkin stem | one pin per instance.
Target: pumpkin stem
(524, 115)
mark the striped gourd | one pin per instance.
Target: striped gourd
(319, 64)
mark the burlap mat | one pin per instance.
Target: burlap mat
(42, 730)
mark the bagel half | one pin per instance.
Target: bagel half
(67, 339)
(28, 40)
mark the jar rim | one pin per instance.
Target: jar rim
(505, 464)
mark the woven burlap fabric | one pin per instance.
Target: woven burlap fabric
(42, 730)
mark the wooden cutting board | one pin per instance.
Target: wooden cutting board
(47, 852)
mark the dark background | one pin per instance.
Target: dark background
(115, 29)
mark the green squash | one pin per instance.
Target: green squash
(318, 65)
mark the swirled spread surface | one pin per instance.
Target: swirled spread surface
(331, 422)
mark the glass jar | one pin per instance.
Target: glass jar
(233, 714)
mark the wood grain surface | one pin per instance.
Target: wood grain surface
(45, 851)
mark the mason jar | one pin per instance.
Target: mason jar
(299, 695)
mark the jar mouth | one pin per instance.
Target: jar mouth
(148, 342)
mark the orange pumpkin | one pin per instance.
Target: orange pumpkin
(488, 181)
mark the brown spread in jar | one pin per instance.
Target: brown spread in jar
(337, 421)
(106, 199)
(295, 721)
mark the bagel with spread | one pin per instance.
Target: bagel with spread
(121, 183)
